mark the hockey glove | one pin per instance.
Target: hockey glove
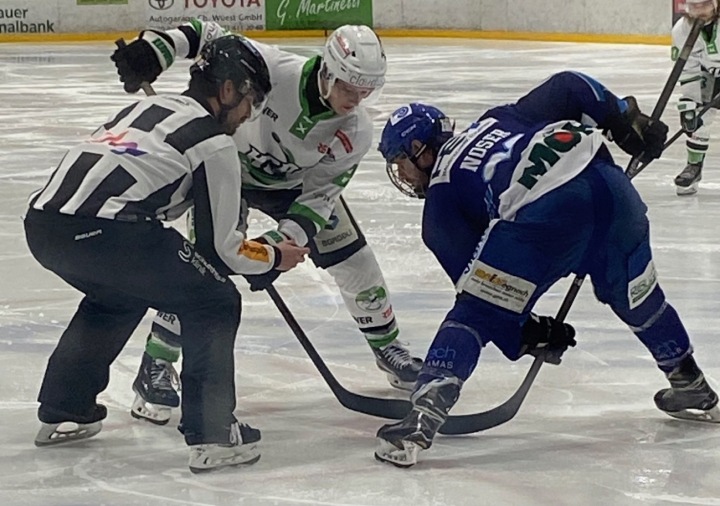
(261, 281)
(689, 119)
(544, 333)
(635, 133)
(143, 59)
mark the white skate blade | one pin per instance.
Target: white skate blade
(711, 415)
(391, 454)
(204, 458)
(51, 434)
(687, 190)
(395, 382)
(153, 413)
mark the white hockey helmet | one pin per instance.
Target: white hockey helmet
(354, 54)
(692, 6)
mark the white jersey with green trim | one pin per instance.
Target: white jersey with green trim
(287, 147)
(704, 57)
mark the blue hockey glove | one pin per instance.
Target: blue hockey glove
(689, 119)
(544, 333)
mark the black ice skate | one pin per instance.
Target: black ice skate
(402, 368)
(242, 448)
(155, 394)
(401, 442)
(690, 397)
(59, 427)
(686, 182)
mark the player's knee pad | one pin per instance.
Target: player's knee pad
(339, 240)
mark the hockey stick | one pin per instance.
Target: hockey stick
(633, 167)
(384, 408)
(397, 409)
(714, 103)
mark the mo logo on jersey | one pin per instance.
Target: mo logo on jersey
(548, 152)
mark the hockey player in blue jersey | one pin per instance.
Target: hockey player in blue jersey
(528, 194)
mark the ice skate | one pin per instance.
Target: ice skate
(686, 183)
(242, 449)
(402, 369)
(155, 395)
(400, 443)
(689, 397)
(59, 427)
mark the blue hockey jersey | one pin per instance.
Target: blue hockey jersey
(511, 156)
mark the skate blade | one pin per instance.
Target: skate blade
(711, 415)
(686, 190)
(396, 382)
(391, 454)
(51, 434)
(153, 413)
(206, 463)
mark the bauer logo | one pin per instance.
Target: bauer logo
(161, 5)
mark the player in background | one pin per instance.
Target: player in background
(525, 196)
(698, 86)
(296, 160)
(97, 224)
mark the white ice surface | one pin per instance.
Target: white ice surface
(588, 433)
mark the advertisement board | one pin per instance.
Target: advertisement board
(21, 16)
(317, 14)
(236, 15)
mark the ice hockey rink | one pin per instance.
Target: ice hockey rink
(588, 433)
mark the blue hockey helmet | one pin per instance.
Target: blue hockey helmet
(414, 121)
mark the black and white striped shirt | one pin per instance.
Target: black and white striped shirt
(152, 161)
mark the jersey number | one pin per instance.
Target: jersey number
(548, 152)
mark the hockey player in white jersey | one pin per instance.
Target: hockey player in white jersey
(698, 85)
(97, 224)
(527, 195)
(297, 159)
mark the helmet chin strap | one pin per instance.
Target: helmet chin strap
(324, 96)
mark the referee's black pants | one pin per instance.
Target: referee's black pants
(123, 269)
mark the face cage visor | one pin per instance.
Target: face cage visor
(259, 101)
(393, 172)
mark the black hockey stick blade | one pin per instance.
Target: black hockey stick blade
(467, 424)
(633, 167)
(385, 408)
(713, 104)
